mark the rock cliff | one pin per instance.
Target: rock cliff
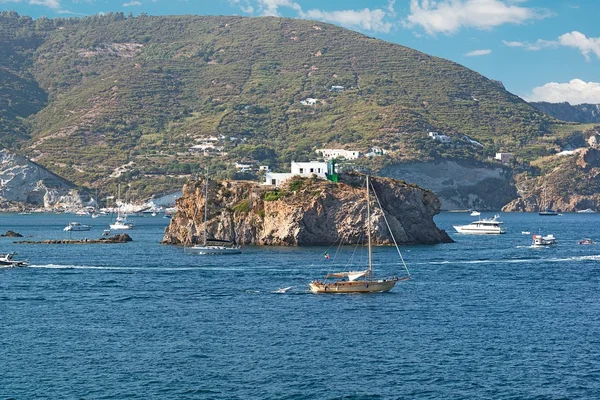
(24, 183)
(584, 113)
(480, 186)
(572, 183)
(305, 212)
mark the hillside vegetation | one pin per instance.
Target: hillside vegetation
(83, 96)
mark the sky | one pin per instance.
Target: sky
(541, 50)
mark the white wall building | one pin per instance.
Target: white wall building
(303, 169)
(309, 101)
(504, 158)
(329, 154)
(440, 138)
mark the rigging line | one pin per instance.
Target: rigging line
(390, 229)
(360, 238)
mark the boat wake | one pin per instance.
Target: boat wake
(518, 260)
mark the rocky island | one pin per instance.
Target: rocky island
(305, 212)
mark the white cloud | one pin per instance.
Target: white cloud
(575, 39)
(535, 46)
(390, 8)
(475, 53)
(367, 19)
(55, 4)
(132, 3)
(244, 5)
(377, 20)
(271, 7)
(574, 92)
(579, 41)
(449, 16)
(514, 44)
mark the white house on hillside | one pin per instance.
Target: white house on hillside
(440, 138)
(504, 158)
(329, 154)
(309, 101)
(303, 169)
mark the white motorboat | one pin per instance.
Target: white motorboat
(475, 213)
(541, 241)
(586, 211)
(6, 260)
(121, 225)
(77, 227)
(485, 226)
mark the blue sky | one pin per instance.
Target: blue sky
(540, 49)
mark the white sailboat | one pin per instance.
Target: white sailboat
(360, 281)
(211, 246)
(121, 223)
(547, 211)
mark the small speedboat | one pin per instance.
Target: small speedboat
(77, 227)
(475, 213)
(586, 241)
(541, 241)
(586, 211)
(6, 260)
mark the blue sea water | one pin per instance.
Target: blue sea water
(485, 317)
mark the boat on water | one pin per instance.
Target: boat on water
(475, 213)
(121, 223)
(586, 211)
(542, 241)
(586, 241)
(214, 247)
(361, 281)
(484, 226)
(211, 246)
(546, 211)
(7, 260)
(77, 227)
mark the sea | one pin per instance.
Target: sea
(486, 317)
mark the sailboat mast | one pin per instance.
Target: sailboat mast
(205, 206)
(369, 230)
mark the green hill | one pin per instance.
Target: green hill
(83, 96)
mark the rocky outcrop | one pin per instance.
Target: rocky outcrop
(584, 113)
(305, 212)
(24, 183)
(571, 183)
(120, 238)
(462, 185)
(11, 233)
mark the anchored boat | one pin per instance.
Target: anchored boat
(360, 281)
(485, 226)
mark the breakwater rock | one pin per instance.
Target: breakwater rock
(305, 212)
(121, 238)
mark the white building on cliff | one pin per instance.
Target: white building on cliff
(329, 154)
(303, 169)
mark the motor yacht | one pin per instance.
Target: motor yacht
(77, 227)
(541, 241)
(485, 226)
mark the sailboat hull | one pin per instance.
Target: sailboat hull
(199, 249)
(352, 286)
